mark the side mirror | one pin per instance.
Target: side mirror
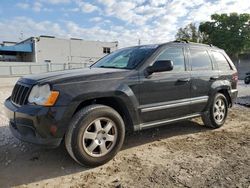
(160, 66)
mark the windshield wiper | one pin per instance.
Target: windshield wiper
(113, 67)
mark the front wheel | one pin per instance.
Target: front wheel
(216, 115)
(95, 135)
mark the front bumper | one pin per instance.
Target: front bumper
(28, 134)
(37, 124)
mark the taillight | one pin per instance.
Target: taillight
(235, 77)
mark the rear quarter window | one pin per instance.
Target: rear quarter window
(200, 60)
(221, 61)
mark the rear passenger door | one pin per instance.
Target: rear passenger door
(203, 74)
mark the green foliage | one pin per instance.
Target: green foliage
(190, 33)
(229, 32)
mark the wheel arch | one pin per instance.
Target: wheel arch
(117, 104)
(223, 87)
(225, 92)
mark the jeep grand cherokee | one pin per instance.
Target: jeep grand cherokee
(133, 88)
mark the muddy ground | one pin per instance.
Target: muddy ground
(184, 154)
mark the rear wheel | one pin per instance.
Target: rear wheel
(95, 135)
(216, 115)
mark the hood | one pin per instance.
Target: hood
(74, 75)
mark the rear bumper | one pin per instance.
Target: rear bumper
(233, 95)
(37, 124)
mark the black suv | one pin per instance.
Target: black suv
(133, 88)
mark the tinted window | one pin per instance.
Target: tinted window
(200, 60)
(127, 58)
(175, 55)
(221, 61)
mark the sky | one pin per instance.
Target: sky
(125, 21)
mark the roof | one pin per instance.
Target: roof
(9, 42)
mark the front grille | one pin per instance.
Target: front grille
(20, 94)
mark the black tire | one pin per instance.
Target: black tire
(247, 80)
(210, 117)
(85, 121)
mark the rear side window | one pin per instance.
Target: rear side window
(176, 55)
(200, 60)
(221, 61)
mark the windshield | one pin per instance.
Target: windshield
(127, 58)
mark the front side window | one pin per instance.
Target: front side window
(176, 56)
(127, 58)
(200, 60)
(221, 61)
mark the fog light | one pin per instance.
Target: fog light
(53, 130)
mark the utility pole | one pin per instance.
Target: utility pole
(21, 36)
(139, 42)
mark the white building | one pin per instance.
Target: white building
(46, 53)
(55, 50)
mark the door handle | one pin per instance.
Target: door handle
(212, 78)
(183, 80)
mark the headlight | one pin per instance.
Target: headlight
(42, 95)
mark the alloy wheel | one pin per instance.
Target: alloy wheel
(99, 137)
(219, 110)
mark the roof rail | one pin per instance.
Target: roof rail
(182, 40)
(211, 45)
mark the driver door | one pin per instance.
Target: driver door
(166, 95)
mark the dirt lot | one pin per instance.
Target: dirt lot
(184, 154)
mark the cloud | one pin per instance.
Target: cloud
(37, 6)
(203, 12)
(152, 21)
(23, 5)
(12, 29)
(156, 3)
(123, 10)
(86, 7)
(56, 1)
(96, 19)
(68, 29)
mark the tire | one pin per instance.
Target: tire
(95, 135)
(216, 114)
(247, 80)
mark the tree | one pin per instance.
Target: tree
(229, 32)
(190, 32)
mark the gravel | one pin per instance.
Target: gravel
(184, 154)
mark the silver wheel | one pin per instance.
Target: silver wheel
(219, 110)
(99, 137)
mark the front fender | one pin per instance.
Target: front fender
(123, 94)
